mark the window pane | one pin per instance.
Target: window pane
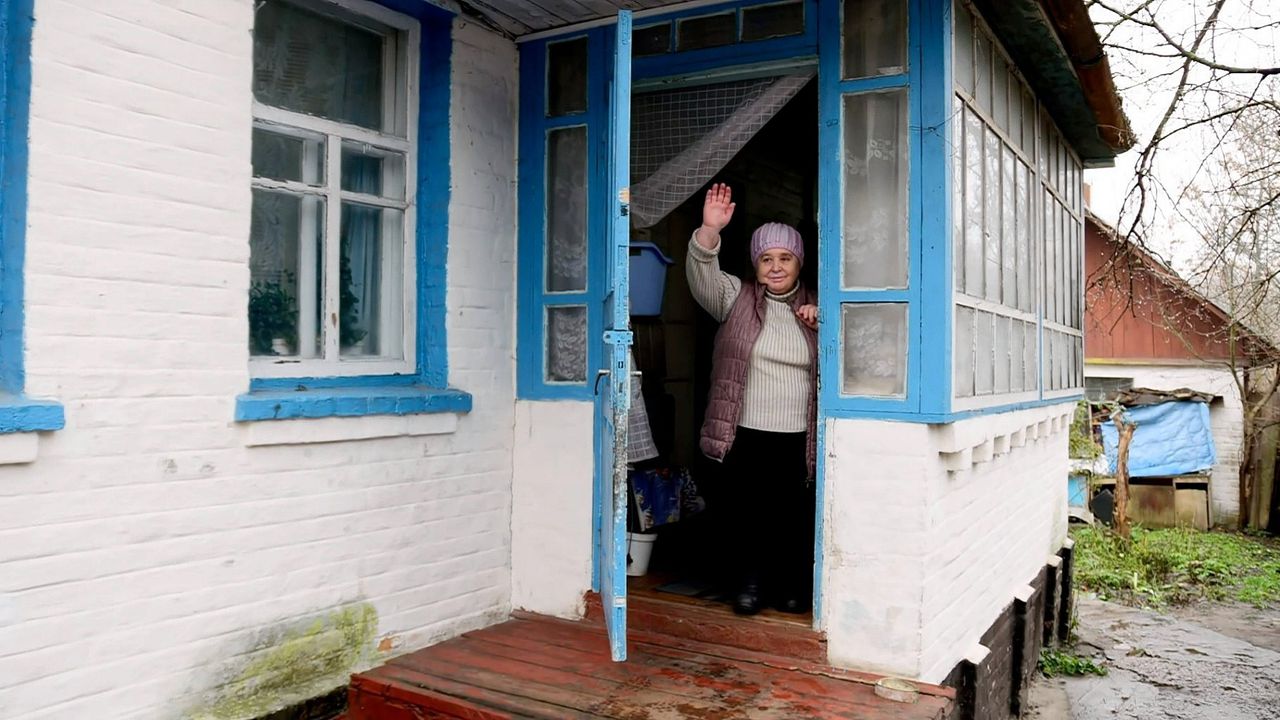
(957, 193)
(1017, 356)
(1008, 232)
(651, 40)
(566, 344)
(963, 352)
(296, 158)
(982, 71)
(370, 292)
(1031, 363)
(984, 344)
(1003, 353)
(567, 210)
(1028, 121)
(567, 77)
(318, 65)
(875, 349)
(991, 224)
(875, 38)
(372, 171)
(770, 21)
(875, 190)
(706, 31)
(973, 204)
(1000, 92)
(286, 236)
(1024, 229)
(963, 48)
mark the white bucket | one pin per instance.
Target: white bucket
(639, 548)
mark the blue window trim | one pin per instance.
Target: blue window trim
(426, 390)
(832, 89)
(533, 297)
(534, 125)
(18, 413)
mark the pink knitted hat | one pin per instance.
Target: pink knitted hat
(776, 235)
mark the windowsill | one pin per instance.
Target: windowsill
(21, 420)
(343, 414)
(341, 402)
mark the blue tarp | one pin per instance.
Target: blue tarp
(1172, 438)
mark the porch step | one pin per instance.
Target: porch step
(718, 625)
(538, 667)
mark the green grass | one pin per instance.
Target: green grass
(1055, 662)
(1178, 566)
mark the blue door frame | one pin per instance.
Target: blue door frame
(927, 80)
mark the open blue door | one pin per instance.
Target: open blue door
(614, 400)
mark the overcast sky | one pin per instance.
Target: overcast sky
(1146, 96)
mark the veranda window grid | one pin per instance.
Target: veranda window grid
(332, 293)
(1017, 230)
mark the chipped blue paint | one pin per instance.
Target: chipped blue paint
(349, 402)
(425, 390)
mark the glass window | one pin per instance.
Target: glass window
(963, 348)
(651, 40)
(288, 156)
(328, 240)
(875, 190)
(875, 38)
(566, 344)
(320, 65)
(875, 349)
(567, 210)
(708, 31)
(963, 48)
(974, 274)
(770, 21)
(286, 257)
(567, 77)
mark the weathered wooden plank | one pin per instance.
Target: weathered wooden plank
(405, 682)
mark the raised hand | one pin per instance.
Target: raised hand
(717, 211)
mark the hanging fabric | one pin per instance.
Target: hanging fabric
(681, 138)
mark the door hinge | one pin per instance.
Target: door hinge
(618, 337)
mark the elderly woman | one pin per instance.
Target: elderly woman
(762, 407)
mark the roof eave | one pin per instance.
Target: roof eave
(1056, 47)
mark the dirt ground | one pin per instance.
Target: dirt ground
(1210, 661)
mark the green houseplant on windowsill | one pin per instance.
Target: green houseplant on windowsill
(273, 318)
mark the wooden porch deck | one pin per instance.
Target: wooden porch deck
(539, 667)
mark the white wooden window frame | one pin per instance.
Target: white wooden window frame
(401, 110)
(1064, 173)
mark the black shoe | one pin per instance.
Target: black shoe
(747, 601)
(794, 604)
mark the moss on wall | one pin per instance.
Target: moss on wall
(296, 663)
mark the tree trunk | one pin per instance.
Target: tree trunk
(1248, 447)
(1121, 515)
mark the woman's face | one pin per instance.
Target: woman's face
(778, 270)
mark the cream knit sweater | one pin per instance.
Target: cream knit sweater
(778, 384)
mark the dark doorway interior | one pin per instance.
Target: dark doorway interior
(774, 179)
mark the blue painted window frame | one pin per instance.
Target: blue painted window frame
(927, 378)
(18, 413)
(427, 389)
(533, 300)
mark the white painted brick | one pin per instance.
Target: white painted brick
(148, 549)
(939, 552)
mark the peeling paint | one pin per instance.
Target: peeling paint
(298, 662)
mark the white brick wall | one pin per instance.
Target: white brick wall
(1226, 418)
(931, 530)
(148, 551)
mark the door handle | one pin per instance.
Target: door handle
(605, 373)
